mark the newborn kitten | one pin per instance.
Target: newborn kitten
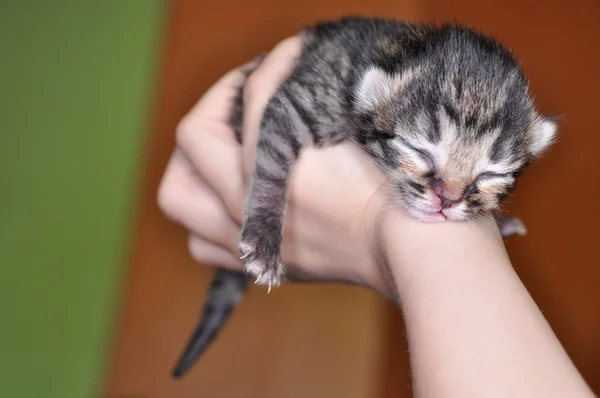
(444, 111)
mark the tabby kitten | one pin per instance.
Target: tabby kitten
(444, 111)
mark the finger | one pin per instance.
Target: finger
(217, 159)
(206, 137)
(184, 198)
(170, 184)
(207, 253)
(260, 87)
(216, 104)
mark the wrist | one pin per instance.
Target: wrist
(411, 249)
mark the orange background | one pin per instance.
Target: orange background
(323, 341)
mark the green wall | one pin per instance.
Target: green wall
(76, 88)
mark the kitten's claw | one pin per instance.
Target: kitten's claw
(245, 255)
(245, 249)
(262, 258)
(270, 276)
(256, 282)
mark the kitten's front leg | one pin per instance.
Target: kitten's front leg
(277, 150)
(510, 226)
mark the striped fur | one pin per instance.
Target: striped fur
(445, 111)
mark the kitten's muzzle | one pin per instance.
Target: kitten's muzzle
(448, 193)
(448, 203)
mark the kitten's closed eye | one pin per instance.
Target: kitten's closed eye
(427, 158)
(486, 179)
(424, 155)
(491, 178)
(491, 175)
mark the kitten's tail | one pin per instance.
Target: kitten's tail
(228, 287)
(225, 293)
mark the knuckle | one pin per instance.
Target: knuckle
(198, 250)
(193, 250)
(183, 131)
(167, 198)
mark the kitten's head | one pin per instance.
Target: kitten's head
(447, 112)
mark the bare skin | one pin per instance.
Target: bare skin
(473, 329)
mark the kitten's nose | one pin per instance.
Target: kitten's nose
(450, 192)
(446, 203)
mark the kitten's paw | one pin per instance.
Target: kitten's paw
(266, 274)
(511, 226)
(264, 266)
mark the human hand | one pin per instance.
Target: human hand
(330, 232)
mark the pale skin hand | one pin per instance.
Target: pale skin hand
(204, 188)
(473, 330)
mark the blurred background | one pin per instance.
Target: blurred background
(97, 291)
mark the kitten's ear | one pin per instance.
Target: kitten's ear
(542, 134)
(377, 86)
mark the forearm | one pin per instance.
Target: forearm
(473, 329)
